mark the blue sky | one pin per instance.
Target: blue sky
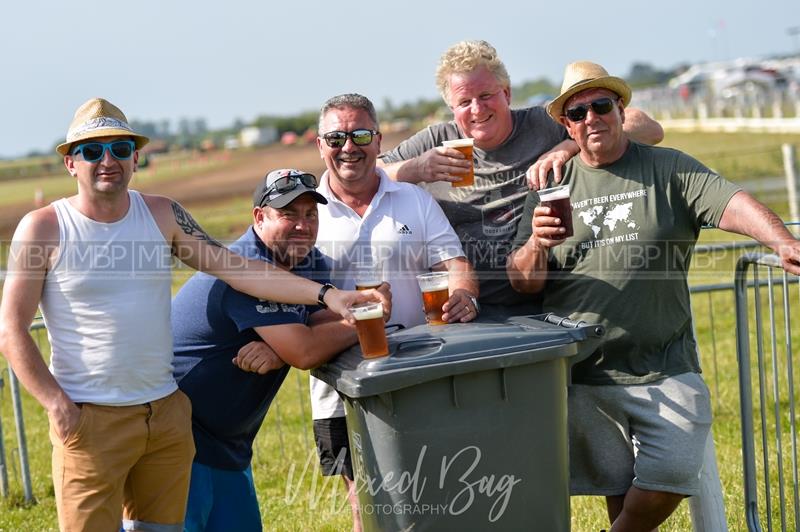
(163, 59)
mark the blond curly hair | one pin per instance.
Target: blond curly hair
(466, 56)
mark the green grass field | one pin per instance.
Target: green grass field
(293, 496)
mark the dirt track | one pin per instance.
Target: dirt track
(238, 179)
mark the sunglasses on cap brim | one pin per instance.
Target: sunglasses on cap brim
(286, 184)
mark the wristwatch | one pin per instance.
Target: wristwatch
(321, 295)
(475, 302)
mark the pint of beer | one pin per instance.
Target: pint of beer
(435, 294)
(557, 198)
(465, 147)
(369, 325)
(368, 274)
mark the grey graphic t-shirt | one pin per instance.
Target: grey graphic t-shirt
(485, 216)
(636, 222)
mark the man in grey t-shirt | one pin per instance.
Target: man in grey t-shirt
(639, 412)
(510, 144)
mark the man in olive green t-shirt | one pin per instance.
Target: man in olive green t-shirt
(639, 411)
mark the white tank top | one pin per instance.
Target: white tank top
(106, 305)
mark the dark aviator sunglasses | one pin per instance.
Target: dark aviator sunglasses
(287, 184)
(600, 106)
(94, 151)
(337, 139)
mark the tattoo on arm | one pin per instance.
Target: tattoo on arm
(190, 227)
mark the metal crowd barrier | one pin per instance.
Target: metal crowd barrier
(22, 441)
(707, 510)
(771, 465)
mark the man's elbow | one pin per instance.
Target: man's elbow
(655, 134)
(8, 333)
(3, 339)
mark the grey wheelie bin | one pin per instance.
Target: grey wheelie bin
(463, 426)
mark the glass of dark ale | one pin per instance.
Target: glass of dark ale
(435, 293)
(369, 326)
(557, 198)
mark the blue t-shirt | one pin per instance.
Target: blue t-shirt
(210, 323)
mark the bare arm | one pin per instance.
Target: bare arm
(527, 265)
(436, 164)
(33, 244)
(257, 357)
(554, 160)
(746, 216)
(195, 248)
(306, 347)
(463, 283)
(641, 128)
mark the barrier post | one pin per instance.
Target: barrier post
(24, 467)
(790, 167)
(3, 466)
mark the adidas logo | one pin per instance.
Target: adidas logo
(404, 230)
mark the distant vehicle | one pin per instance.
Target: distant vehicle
(258, 136)
(728, 80)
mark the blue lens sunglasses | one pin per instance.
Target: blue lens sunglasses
(94, 151)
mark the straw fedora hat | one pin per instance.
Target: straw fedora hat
(582, 75)
(99, 118)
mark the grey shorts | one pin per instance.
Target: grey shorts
(649, 435)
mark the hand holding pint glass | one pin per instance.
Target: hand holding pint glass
(435, 293)
(465, 146)
(369, 326)
(557, 198)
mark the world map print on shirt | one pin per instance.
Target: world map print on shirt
(606, 211)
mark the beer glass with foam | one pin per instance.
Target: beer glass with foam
(465, 146)
(435, 293)
(368, 274)
(557, 198)
(369, 326)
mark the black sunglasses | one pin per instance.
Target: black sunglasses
(361, 137)
(287, 184)
(600, 106)
(93, 151)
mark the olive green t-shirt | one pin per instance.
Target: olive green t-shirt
(636, 222)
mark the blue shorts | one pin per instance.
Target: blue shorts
(221, 500)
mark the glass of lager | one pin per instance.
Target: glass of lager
(435, 293)
(369, 325)
(368, 274)
(465, 147)
(557, 198)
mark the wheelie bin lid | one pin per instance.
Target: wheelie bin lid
(425, 353)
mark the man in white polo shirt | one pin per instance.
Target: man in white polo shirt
(398, 225)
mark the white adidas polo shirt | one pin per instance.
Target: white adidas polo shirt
(405, 230)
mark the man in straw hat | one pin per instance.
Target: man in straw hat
(512, 149)
(98, 264)
(639, 412)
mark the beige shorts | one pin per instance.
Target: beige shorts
(131, 461)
